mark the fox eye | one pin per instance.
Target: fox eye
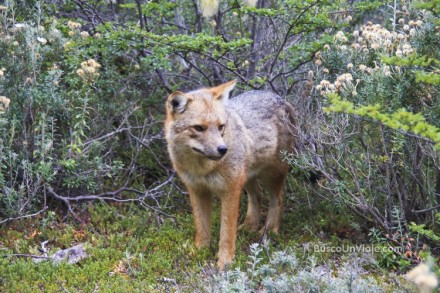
(221, 127)
(199, 128)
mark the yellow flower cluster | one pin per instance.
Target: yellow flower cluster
(4, 103)
(374, 37)
(73, 25)
(88, 70)
(377, 38)
(344, 82)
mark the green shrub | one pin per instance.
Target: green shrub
(374, 94)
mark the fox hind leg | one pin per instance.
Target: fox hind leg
(274, 185)
(253, 214)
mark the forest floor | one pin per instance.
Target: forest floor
(130, 249)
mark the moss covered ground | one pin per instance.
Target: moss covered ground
(131, 249)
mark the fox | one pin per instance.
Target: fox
(220, 146)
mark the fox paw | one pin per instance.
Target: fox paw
(250, 224)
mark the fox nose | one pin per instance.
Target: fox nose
(222, 149)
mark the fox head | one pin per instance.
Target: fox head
(197, 121)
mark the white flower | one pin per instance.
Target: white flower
(42, 40)
(350, 66)
(340, 36)
(90, 70)
(324, 83)
(20, 25)
(375, 46)
(209, 7)
(92, 62)
(348, 77)
(5, 101)
(80, 72)
(422, 276)
(84, 34)
(250, 3)
(66, 45)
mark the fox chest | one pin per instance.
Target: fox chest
(214, 182)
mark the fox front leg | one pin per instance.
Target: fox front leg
(201, 202)
(230, 203)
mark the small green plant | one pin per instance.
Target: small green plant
(284, 272)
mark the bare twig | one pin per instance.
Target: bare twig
(112, 196)
(24, 216)
(426, 210)
(26, 255)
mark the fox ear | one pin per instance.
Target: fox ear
(177, 102)
(222, 91)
